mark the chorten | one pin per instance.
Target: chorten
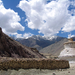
(69, 48)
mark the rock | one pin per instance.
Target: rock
(0, 31)
(68, 71)
(53, 74)
(60, 69)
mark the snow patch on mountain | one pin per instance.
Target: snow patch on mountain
(39, 37)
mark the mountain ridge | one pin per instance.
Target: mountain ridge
(12, 48)
(38, 42)
(55, 48)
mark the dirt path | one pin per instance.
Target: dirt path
(70, 71)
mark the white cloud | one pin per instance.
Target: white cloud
(72, 5)
(9, 20)
(48, 18)
(70, 36)
(19, 35)
(22, 17)
(26, 35)
(70, 24)
(72, 2)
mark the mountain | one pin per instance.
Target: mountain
(55, 48)
(12, 48)
(39, 42)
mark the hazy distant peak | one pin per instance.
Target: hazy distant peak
(51, 37)
(38, 37)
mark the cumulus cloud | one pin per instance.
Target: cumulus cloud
(26, 35)
(9, 20)
(72, 6)
(72, 2)
(70, 36)
(70, 24)
(48, 18)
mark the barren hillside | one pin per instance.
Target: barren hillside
(55, 48)
(12, 48)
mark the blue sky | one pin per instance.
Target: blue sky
(24, 18)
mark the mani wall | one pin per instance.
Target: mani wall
(32, 63)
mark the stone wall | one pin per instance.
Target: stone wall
(29, 63)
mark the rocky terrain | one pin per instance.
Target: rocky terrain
(12, 48)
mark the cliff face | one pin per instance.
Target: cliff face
(12, 48)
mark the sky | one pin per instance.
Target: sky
(24, 18)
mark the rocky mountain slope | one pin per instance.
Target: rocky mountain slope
(55, 48)
(38, 42)
(12, 48)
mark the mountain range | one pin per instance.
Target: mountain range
(38, 42)
(55, 48)
(52, 46)
(28, 47)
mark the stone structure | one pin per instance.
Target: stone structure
(69, 48)
(32, 63)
